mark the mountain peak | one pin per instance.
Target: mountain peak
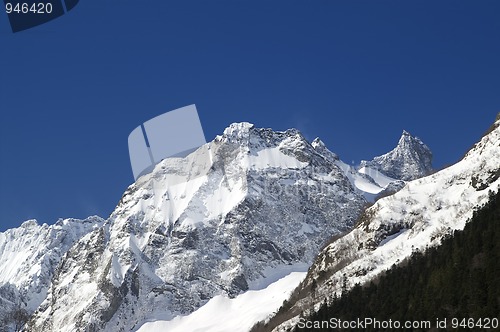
(29, 223)
(317, 142)
(407, 137)
(238, 127)
(409, 160)
(321, 148)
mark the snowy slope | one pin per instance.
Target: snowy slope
(416, 217)
(218, 222)
(223, 314)
(380, 179)
(29, 255)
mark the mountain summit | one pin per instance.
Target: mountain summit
(409, 160)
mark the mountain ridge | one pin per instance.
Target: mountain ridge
(425, 211)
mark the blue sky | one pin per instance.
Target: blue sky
(355, 73)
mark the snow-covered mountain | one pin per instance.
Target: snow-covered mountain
(28, 257)
(229, 220)
(416, 217)
(409, 160)
(237, 214)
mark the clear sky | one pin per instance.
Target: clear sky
(355, 73)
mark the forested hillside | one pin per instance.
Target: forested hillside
(458, 279)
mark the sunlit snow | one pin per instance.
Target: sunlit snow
(222, 314)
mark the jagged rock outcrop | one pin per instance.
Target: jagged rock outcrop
(409, 160)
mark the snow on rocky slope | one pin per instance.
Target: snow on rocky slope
(28, 257)
(416, 217)
(223, 314)
(218, 222)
